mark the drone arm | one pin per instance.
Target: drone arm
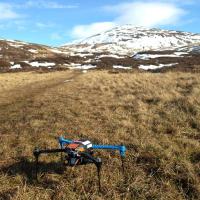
(63, 141)
(121, 148)
(37, 151)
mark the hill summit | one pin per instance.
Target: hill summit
(127, 39)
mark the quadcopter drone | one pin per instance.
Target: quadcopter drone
(79, 152)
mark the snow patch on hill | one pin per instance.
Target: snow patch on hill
(153, 67)
(127, 39)
(150, 56)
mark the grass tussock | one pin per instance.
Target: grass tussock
(155, 115)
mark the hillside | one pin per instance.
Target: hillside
(155, 115)
(122, 48)
(128, 39)
(18, 55)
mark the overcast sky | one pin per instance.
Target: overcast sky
(55, 22)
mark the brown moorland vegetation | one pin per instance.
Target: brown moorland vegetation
(155, 115)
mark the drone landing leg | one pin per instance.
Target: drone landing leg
(36, 154)
(61, 156)
(99, 175)
(97, 163)
(123, 169)
(36, 168)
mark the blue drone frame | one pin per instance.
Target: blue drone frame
(120, 148)
(80, 152)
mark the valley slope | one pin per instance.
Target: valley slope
(121, 48)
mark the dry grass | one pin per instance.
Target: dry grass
(155, 115)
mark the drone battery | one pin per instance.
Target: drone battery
(81, 144)
(73, 145)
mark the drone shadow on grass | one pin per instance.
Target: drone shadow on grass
(27, 169)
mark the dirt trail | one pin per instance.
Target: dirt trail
(17, 103)
(34, 88)
(155, 115)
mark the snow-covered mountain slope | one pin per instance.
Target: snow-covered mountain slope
(122, 48)
(128, 39)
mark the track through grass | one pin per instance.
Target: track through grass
(155, 115)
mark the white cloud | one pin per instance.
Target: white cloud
(6, 12)
(185, 2)
(44, 4)
(82, 31)
(139, 13)
(149, 14)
